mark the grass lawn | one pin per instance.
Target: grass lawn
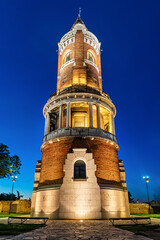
(2, 215)
(148, 215)
(15, 229)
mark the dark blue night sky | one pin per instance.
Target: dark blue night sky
(130, 36)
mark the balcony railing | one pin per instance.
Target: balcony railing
(80, 132)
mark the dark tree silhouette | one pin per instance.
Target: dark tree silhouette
(9, 165)
(7, 197)
(18, 195)
(131, 199)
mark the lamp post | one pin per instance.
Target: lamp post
(13, 181)
(146, 178)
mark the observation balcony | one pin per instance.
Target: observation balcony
(79, 132)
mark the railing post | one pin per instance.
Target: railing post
(98, 116)
(68, 115)
(90, 115)
(60, 116)
(112, 120)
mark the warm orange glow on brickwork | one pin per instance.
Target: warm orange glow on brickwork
(79, 176)
(104, 154)
(78, 71)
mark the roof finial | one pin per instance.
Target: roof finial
(79, 15)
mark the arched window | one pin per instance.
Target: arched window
(79, 170)
(67, 57)
(90, 56)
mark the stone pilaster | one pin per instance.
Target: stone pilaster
(47, 124)
(60, 116)
(98, 116)
(68, 115)
(90, 115)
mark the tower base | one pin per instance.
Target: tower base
(80, 198)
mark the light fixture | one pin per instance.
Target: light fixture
(146, 178)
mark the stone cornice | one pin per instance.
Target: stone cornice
(69, 38)
(66, 138)
(55, 101)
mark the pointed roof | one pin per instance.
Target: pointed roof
(78, 21)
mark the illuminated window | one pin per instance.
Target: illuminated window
(104, 119)
(90, 56)
(67, 57)
(94, 110)
(80, 114)
(79, 170)
(79, 119)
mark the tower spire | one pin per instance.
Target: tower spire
(78, 20)
(79, 15)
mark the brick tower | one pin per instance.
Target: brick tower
(79, 176)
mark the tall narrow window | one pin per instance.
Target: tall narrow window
(105, 121)
(90, 56)
(79, 170)
(67, 57)
(94, 110)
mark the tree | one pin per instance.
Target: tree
(18, 195)
(4, 161)
(15, 164)
(9, 165)
(131, 200)
(7, 197)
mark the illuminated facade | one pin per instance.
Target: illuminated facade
(79, 176)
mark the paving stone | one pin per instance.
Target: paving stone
(76, 230)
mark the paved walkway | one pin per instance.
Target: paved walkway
(76, 230)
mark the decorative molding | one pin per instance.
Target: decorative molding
(65, 41)
(90, 39)
(91, 63)
(67, 63)
(66, 138)
(69, 38)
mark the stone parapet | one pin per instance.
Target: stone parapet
(140, 208)
(80, 132)
(18, 206)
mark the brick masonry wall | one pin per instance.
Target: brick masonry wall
(21, 206)
(18, 206)
(104, 154)
(141, 208)
(79, 49)
(66, 76)
(4, 206)
(92, 76)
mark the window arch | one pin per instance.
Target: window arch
(67, 57)
(90, 56)
(79, 170)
